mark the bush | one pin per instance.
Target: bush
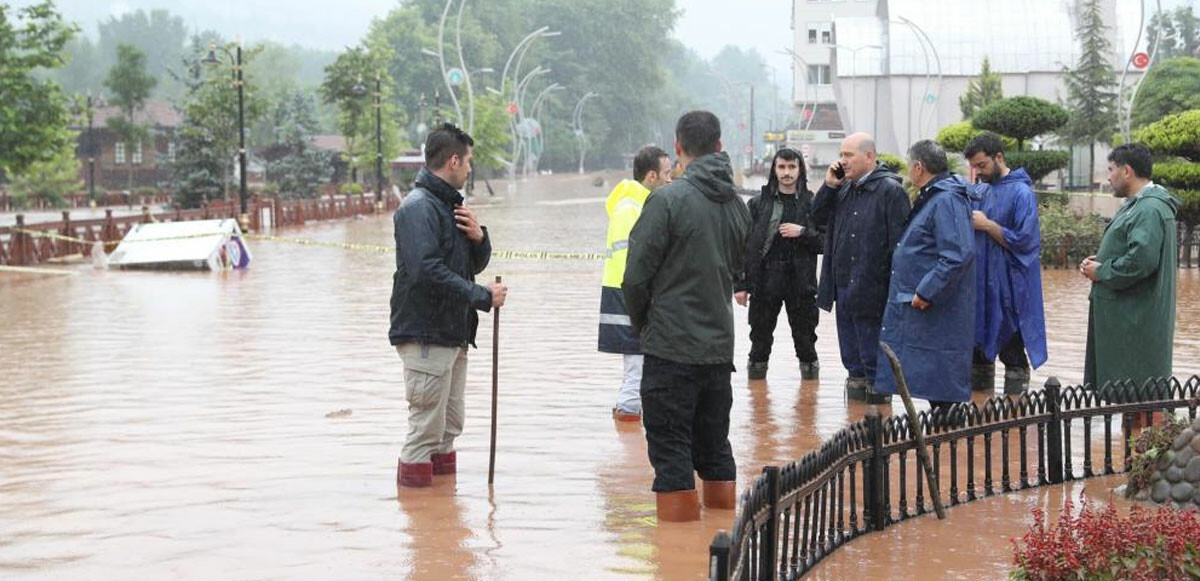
(956, 136)
(1056, 198)
(894, 163)
(1099, 544)
(1021, 118)
(1177, 135)
(1147, 447)
(1063, 230)
(351, 188)
(1038, 164)
(1179, 175)
(1169, 88)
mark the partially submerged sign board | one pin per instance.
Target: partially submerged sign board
(197, 245)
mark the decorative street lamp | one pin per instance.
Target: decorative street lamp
(236, 58)
(577, 125)
(89, 103)
(360, 90)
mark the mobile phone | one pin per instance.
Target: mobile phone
(839, 172)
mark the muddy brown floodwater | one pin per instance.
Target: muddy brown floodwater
(158, 425)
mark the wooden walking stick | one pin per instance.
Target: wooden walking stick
(915, 425)
(495, 386)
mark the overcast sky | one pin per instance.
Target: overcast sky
(706, 25)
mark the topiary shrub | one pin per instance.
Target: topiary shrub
(1038, 164)
(1068, 238)
(1021, 118)
(1177, 135)
(956, 136)
(351, 188)
(894, 163)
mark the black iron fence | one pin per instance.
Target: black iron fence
(867, 476)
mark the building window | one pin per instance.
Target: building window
(820, 30)
(812, 36)
(818, 74)
(171, 151)
(137, 154)
(826, 37)
(120, 152)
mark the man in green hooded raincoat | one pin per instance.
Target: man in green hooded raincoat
(1131, 319)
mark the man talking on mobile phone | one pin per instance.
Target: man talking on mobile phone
(862, 206)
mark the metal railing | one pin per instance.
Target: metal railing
(866, 477)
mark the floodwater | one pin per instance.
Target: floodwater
(159, 425)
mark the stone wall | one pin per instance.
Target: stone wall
(1176, 478)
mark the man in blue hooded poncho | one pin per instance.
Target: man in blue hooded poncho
(930, 316)
(1009, 317)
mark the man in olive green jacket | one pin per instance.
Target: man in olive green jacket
(1131, 319)
(685, 254)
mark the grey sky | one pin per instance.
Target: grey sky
(706, 25)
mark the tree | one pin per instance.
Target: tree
(130, 86)
(1170, 87)
(158, 34)
(34, 113)
(1177, 33)
(49, 181)
(1175, 135)
(956, 136)
(1091, 85)
(1021, 118)
(981, 91)
(293, 162)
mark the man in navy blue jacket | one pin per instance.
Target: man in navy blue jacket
(863, 213)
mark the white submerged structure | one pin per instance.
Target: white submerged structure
(197, 245)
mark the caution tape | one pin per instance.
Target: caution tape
(374, 248)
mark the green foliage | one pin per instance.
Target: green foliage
(48, 181)
(130, 85)
(1178, 175)
(1092, 84)
(1021, 118)
(293, 162)
(351, 188)
(1170, 87)
(1177, 33)
(33, 112)
(1075, 237)
(198, 173)
(350, 86)
(1174, 135)
(1147, 447)
(955, 137)
(981, 91)
(1038, 164)
(1052, 198)
(894, 163)
(492, 137)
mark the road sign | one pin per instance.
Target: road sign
(455, 76)
(511, 108)
(1141, 60)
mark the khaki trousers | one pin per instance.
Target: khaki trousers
(435, 379)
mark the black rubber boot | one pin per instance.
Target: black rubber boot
(983, 377)
(756, 369)
(1016, 381)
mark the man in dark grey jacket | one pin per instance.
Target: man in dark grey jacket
(685, 255)
(440, 247)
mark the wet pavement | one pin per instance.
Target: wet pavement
(158, 425)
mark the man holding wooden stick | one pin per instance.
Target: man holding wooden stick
(440, 247)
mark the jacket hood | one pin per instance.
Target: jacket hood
(712, 174)
(1018, 175)
(951, 183)
(1160, 193)
(625, 189)
(882, 171)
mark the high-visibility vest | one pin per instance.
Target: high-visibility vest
(624, 205)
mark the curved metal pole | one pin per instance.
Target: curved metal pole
(537, 103)
(808, 89)
(442, 61)
(528, 37)
(937, 60)
(580, 137)
(462, 63)
(928, 75)
(1128, 121)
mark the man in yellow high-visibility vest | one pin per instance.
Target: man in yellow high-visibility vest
(651, 170)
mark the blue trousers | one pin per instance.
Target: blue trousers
(858, 338)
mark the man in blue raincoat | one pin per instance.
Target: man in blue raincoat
(1009, 317)
(930, 316)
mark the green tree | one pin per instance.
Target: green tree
(130, 85)
(956, 136)
(210, 119)
(1176, 32)
(1174, 135)
(293, 162)
(1170, 87)
(1091, 85)
(1021, 118)
(34, 113)
(159, 35)
(981, 91)
(492, 137)
(49, 181)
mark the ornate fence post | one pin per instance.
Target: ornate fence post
(68, 247)
(768, 550)
(108, 232)
(1054, 443)
(718, 557)
(19, 247)
(876, 495)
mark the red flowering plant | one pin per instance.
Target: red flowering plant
(1098, 544)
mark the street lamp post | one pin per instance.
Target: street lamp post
(378, 139)
(238, 82)
(577, 124)
(853, 75)
(91, 148)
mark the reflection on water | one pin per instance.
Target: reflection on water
(174, 425)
